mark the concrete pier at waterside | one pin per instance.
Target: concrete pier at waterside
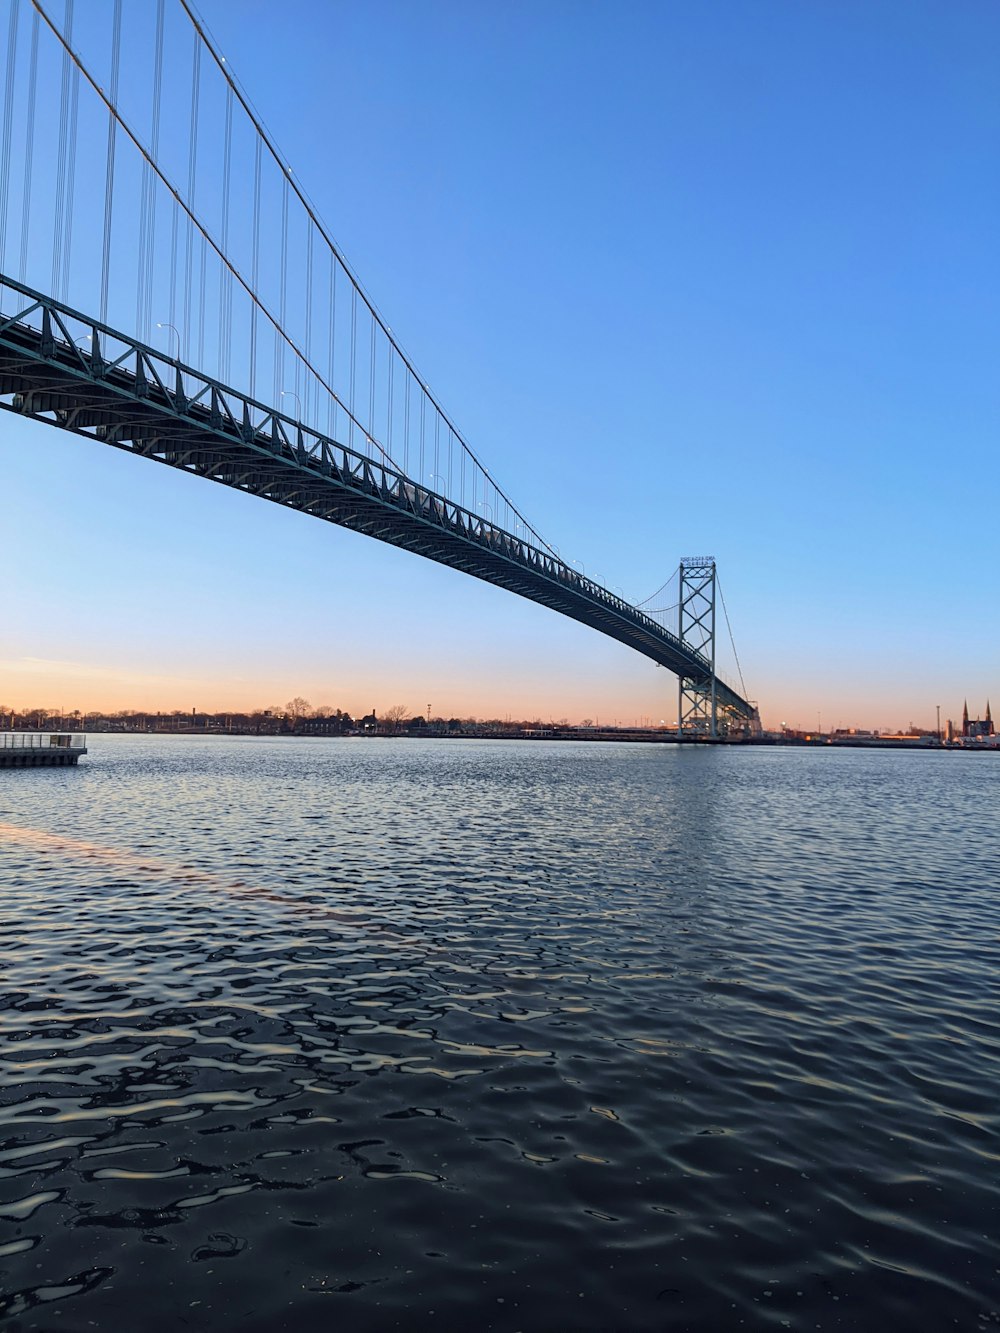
(34, 749)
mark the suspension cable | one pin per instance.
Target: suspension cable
(8, 128)
(146, 328)
(185, 208)
(191, 187)
(732, 641)
(60, 185)
(29, 145)
(74, 107)
(225, 282)
(663, 588)
(311, 213)
(109, 181)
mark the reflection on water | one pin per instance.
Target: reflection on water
(369, 1035)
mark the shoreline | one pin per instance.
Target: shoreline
(596, 736)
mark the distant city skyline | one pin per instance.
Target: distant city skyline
(718, 280)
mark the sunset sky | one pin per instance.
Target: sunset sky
(693, 279)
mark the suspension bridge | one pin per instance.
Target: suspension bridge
(271, 370)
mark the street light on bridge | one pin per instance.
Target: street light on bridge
(173, 330)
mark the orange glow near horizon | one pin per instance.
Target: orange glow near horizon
(630, 693)
(66, 687)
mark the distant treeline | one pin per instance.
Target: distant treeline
(296, 717)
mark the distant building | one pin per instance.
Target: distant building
(979, 729)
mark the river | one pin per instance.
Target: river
(367, 1034)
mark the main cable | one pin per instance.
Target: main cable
(661, 589)
(317, 223)
(732, 641)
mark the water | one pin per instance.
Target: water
(371, 1035)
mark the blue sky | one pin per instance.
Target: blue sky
(691, 278)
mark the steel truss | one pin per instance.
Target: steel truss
(124, 393)
(697, 695)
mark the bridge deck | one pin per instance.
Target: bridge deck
(123, 393)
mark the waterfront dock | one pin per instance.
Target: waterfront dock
(33, 749)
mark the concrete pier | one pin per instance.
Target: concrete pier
(35, 749)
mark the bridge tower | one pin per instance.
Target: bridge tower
(697, 710)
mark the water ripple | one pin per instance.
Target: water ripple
(574, 1037)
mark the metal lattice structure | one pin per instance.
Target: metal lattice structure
(697, 695)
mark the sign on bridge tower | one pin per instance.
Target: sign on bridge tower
(697, 705)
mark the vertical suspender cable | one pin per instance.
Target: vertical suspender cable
(140, 268)
(202, 278)
(332, 343)
(225, 281)
(423, 417)
(143, 245)
(191, 184)
(71, 132)
(29, 150)
(255, 267)
(354, 329)
(371, 392)
(109, 181)
(203, 255)
(174, 225)
(388, 421)
(279, 345)
(406, 424)
(8, 129)
(309, 300)
(332, 406)
(147, 321)
(58, 216)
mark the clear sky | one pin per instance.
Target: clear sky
(692, 278)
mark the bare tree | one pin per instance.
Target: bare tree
(394, 715)
(296, 709)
